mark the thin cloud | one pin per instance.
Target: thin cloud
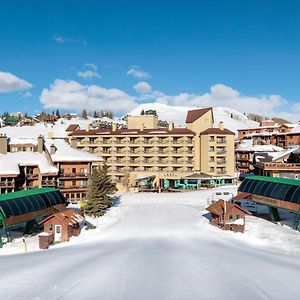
(137, 73)
(89, 74)
(58, 38)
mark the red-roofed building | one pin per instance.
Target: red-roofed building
(227, 216)
(63, 225)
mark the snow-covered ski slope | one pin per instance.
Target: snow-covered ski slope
(160, 246)
(233, 119)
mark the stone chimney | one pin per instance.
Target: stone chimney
(171, 126)
(3, 144)
(40, 146)
(73, 142)
(114, 126)
(221, 125)
(52, 149)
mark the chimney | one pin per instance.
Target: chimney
(74, 142)
(50, 135)
(221, 125)
(87, 127)
(114, 126)
(171, 126)
(3, 144)
(52, 149)
(40, 148)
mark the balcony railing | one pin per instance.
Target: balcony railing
(48, 183)
(7, 183)
(74, 175)
(221, 141)
(282, 166)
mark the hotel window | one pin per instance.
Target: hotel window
(211, 138)
(211, 169)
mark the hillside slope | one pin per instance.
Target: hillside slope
(232, 119)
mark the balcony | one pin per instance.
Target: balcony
(221, 162)
(7, 183)
(48, 183)
(32, 176)
(221, 172)
(279, 166)
(221, 151)
(72, 187)
(73, 175)
(221, 141)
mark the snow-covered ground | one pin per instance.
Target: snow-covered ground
(160, 246)
(232, 119)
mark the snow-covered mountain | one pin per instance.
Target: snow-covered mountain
(232, 119)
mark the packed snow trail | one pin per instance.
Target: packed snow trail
(153, 246)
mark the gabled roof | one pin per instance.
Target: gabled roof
(217, 131)
(218, 207)
(199, 175)
(193, 115)
(67, 216)
(72, 127)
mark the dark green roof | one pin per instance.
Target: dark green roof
(270, 187)
(276, 180)
(24, 193)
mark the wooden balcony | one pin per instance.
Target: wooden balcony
(279, 166)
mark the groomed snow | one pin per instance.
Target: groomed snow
(160, 246)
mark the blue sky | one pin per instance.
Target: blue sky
(116, 54)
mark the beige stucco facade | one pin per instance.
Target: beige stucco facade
(142, 122)
(160, 152)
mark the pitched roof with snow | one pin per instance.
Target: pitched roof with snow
(64, 152)
(72, 127)
(68, 216)
(193, 115)
(218, 208)
(10, 162)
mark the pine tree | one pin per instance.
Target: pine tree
(57, 113)
(100, 194)
(84, 114)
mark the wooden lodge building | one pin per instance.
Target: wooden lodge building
(227, 216)
(63, 225)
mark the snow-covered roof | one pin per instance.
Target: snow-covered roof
(64, 152)
(22, 141)
(282, 154)
(10, 162)
(247, 145)
(296, 129)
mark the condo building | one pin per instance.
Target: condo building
(35, 163)
(144, 149)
